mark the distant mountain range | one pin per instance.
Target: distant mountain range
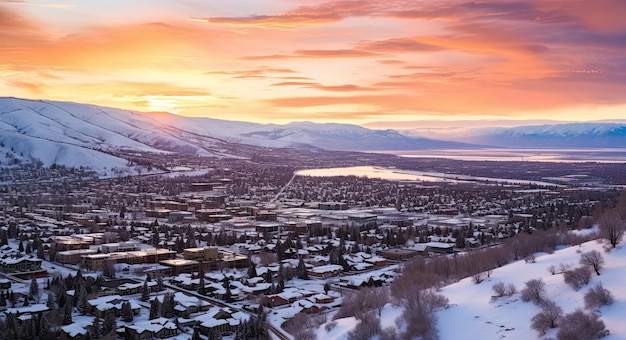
(569, 135)
(86, 135)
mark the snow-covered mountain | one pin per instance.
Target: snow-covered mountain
(569, 135)
(85, 135)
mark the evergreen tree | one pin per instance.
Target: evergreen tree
(159, 284)
(145, 292)
(127, 312)
(33, 291)
(167, 309)
(196, 334)
(109, 323)
(155, 309)
(326, 287)
(20, 247)
(95, 331)
(252, 270)
(29, 248)
(67, 314)
(40, 252)
(301, 271)
(44, 329)
(201, 286)
(81, 298)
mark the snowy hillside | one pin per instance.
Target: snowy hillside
(474, 314)
(570, 135)
(83, 135)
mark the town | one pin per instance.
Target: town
(202, 248)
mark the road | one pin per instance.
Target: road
(283, 189)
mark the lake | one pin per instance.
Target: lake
(410, 175)
(605, 155)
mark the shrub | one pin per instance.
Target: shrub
(478, 277)
(578, 277)
(547, 318)
(329, 326)
(598, 296)
(499, 289)
(579, 325)
(534, 291)
(511, 289)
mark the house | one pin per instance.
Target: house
(20, 264)
(75, 331)
(160, 328)
(99, 306)
(323, 272)
(221, 319)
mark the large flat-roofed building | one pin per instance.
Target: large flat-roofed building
(201, 254)
(121, 247)
(73, 256)
(181, 266)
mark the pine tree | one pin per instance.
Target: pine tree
(301, 271)
(67, 314)
(201, 286)
(155, 309)
(44, 329)
(127, 312)
(40, 252)
(145, 292)
(20, 247)
(167, 309)
(159, 284)
(29, 248)
(196, 334)
(109, 321)
(95, 331)
(34, 290)
(81, 298)
(252, 270)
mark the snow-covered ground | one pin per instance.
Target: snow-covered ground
(472, 314)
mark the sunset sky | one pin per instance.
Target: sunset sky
(324, 61)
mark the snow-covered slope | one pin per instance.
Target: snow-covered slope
(84, 135)
(570, 135)
(475, 316)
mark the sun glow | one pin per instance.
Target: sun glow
(320, 61)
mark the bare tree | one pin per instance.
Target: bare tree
(592, 259)
(612, 227)
(579, 325)
(368, 328)
(577, 277)
(534, 291)
(598, 296)
(419, 315)
(547, 318)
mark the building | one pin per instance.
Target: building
(73, 256)
(20, 264)
(397, 254)
(201, 254)
(160, 328)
